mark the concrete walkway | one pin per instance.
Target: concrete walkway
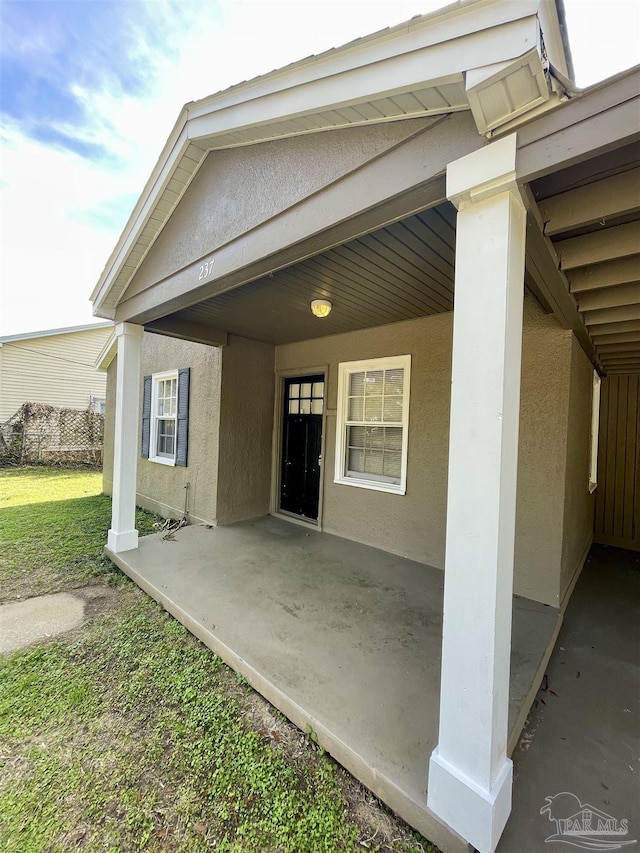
(583, 736)
(38, 619)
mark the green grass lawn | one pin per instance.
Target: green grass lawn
(52, 530)
(129, 734)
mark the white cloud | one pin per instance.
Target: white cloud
(50, 257)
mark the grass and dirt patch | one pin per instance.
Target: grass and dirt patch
(128, 734)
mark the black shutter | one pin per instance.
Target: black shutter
(146, 417)
(183, 417)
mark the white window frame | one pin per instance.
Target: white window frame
(345, 369)
(595, 429)
(156, 379)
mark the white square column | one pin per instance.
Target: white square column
(470, 775)
(123, 535)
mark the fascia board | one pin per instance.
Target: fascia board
(491, 26)
(435, 65)
(558, 30)
(171, 154)
(439, 27)
(47, 333)
(107, 353)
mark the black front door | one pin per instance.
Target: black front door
(301, 445)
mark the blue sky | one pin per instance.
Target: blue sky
(89, 90)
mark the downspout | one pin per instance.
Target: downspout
(571, 90)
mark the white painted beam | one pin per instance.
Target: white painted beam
(123, 535)
(596, 202)
(601, 120)
(470, 775)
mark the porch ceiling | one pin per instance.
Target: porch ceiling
(584, 221)
(591, 214)
(396, 273)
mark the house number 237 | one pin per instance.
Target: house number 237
(206, 269)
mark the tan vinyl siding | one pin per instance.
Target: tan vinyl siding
(55, 369)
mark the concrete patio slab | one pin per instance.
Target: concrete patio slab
(338, 636)
(36, 619)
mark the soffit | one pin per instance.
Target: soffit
(591, 215)
(397, 273)
(413, 70)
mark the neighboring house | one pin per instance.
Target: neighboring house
(448, 160)
(55, 367)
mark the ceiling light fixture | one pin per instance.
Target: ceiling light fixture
(321, 307)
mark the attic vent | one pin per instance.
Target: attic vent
(499, 93)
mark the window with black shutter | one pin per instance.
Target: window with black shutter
(165, 417)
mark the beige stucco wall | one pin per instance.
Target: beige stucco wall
(236, 190)
(546, 369)
(161, 488)
(413, 525)
(579, 505)
(246, 430)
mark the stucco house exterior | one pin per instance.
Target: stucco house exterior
(54, 366)
(468, 223)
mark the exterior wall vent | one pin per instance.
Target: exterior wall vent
(501, 92)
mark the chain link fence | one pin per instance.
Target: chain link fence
(39, 433)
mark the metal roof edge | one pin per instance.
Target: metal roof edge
(107, 353)
(564, 34)
(170, 155)
(46, 333)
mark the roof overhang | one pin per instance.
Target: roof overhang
(481, 55)
(47, 333)
(107, 353)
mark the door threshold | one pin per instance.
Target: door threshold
(296, 519)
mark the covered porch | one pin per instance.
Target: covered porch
(403, 671)
(339, 636)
